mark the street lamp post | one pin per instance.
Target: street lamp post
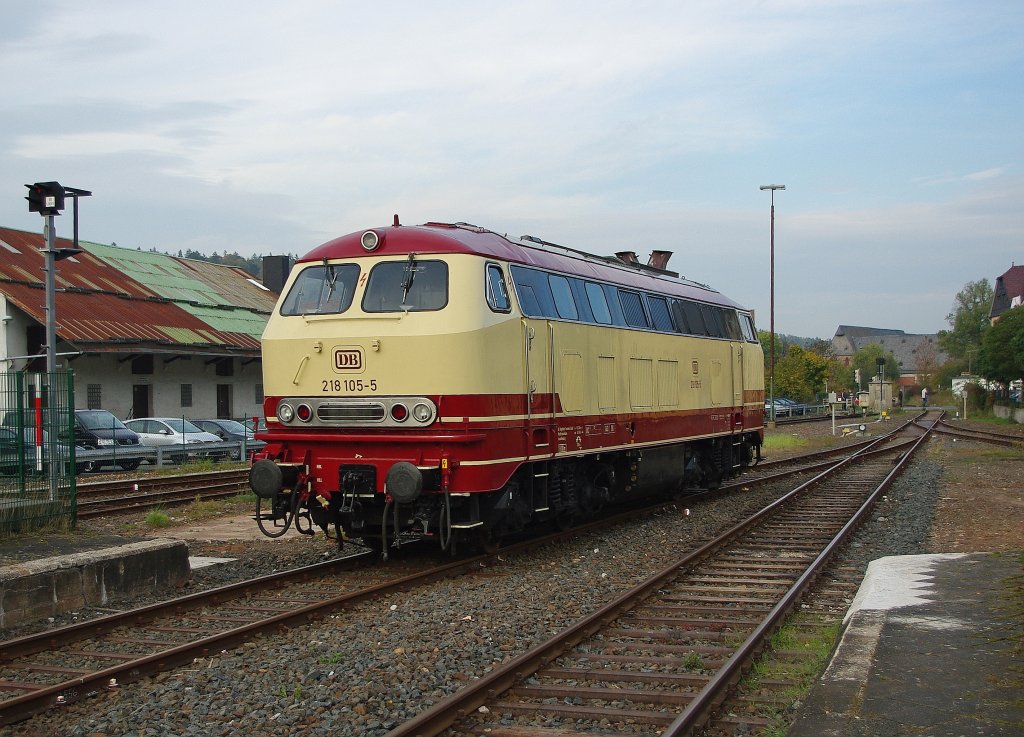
(771, 309)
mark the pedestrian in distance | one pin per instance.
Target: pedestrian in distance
(924, 397)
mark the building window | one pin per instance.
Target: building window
(226, 367)
(259, 394)
(142, 365)
(94, 396)
(186, 395)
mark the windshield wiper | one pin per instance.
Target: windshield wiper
(408, 274)
(332, 277)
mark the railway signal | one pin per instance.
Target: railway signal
(46, 198)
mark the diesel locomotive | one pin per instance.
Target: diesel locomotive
(447, 382)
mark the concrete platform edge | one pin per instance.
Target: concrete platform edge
(47, 587)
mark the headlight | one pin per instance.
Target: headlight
(285, 412)
(421, 412)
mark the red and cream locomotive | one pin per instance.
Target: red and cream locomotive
(443, 381)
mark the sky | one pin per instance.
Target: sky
(268, 127)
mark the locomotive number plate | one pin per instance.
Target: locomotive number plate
(348, 359)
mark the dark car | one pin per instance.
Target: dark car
(98, 428)
(232, 432)
(18, 449)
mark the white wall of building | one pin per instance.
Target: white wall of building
(117, 383)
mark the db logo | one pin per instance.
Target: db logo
(348, 359)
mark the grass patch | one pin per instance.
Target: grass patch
(815, 643)
(201, 465)
(158, 518)
(782, 441)
(203, 509)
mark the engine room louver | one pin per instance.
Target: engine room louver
(351, 412)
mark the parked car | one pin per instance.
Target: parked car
(98, 428)
(261, 424)
(18, 449)
(231, 431)
(782, 409)
(94, 429)
(156, 431)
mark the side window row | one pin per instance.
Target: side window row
(569, 298)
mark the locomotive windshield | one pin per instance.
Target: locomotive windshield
(408, 286)
(322, 290)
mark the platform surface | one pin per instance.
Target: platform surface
(931, 648)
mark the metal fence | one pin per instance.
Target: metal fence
(37, 451)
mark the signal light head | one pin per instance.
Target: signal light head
(304, 412)
(46, 198)
(399, 412)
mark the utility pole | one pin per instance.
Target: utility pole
(771, 308)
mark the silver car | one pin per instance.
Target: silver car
(174, 431)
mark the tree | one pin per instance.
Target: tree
(801, 374)
(1002, 348)
(781, 343)
(927, 364)
(968, 320)
(866, 359)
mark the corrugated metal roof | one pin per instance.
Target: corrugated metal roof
(110, 298)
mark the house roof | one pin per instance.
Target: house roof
(117, 299)
(913, 352)
(857, 331)
(1009, 286)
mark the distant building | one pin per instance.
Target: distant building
(1008, 292)
(146, 334)
(915, 353)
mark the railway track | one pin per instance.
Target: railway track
(41, 672)
(1009, 440)
(110, 497)
(660, 658)
(50, 669)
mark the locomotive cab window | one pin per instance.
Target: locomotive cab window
(747, 325)
(732, 325)
(497, 294)
(407, 286)
(325, 289)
